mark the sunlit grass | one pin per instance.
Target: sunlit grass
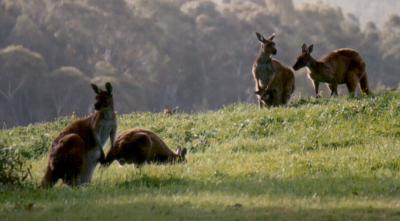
(327, 159)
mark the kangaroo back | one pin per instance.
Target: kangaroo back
(130, 148)
(138, 146)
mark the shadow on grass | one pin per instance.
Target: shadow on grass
(333, 145)
(145, 197)
(144, 180)
(310, 101)
(161, 210)
(253, 186)
(220, 183)
(308, 187)
(328, 99)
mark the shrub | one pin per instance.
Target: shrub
(13, 167)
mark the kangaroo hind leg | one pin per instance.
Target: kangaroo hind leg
(333, 87)
(65, 161)
(364, 84)
(352, 82)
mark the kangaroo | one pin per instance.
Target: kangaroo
(138, 146)
(274, 81)
(170, 111)
(74, 154)
(342, 66)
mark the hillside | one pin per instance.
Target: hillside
(326, 159)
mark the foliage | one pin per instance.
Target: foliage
(193, 54)
(14, 170)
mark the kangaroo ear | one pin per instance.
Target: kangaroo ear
(109, 87)
(95, 88)
(271, 37)
(304, 48)
(260, 37)
(310, 48)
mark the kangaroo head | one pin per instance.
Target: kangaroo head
(267, 45)
(304, 58)
(104, 98)
(182, 154)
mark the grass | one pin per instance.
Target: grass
(325, 159)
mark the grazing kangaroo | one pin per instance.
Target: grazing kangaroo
(74, 154)
(342, 66)
(138, 146)
(274, 81)
(170, 111)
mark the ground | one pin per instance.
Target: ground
(325, 159)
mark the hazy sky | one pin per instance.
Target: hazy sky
(368, 10)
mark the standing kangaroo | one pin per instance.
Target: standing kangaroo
(274, 81)
(342, 66)
(74, 154)
(138, 146)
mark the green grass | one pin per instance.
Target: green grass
(326, 159)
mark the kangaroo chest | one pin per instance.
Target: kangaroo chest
(92, 157)
(103, 131)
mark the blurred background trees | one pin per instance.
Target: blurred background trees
(195, 54)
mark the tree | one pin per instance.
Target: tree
(70, 92)
(21, 71)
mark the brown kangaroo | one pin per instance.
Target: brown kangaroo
(74, 154)
(342, 66)
(138, 146)
(274, 81)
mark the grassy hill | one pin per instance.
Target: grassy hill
(326, 159)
